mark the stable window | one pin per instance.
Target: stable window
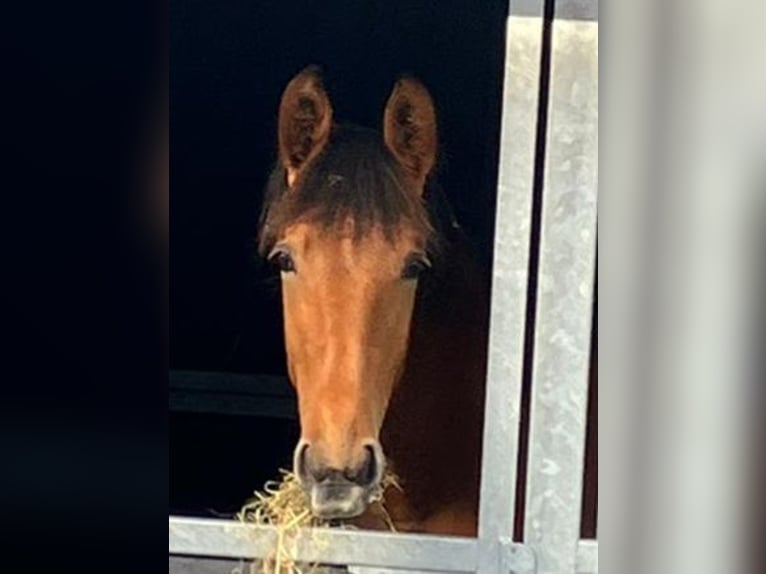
(229, 394)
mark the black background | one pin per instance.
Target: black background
(83, 307)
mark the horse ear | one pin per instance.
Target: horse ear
(305, 120)
(409, 129)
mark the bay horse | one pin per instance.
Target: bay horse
(385, 312)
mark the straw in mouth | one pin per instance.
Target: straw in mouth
(286, 506)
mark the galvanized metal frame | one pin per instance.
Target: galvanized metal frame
(226, 539)
(229, 539)
(509, 287)
(561, 345)
(564, 300)
(586, 561)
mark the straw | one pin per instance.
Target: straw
(285, 505)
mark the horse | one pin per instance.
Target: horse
(385, 312)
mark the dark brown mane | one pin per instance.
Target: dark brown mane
(354, 177)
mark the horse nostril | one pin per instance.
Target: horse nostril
(369, 472)
(306, 466)
(300, 464)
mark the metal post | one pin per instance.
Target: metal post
(509, 283)
(564, 298)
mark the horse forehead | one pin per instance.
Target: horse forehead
(342, 244)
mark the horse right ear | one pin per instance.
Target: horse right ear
(409, 129)
(305, 121)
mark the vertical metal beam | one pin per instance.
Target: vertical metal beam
(587, 557)
(564, 300)
(509, 286)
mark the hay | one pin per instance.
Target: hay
(285, 506)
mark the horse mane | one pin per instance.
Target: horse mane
(354, 177)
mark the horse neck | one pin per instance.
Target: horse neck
(433, 425)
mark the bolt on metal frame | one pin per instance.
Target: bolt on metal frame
(560, 377)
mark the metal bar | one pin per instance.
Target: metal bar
(509, 287)
(366, 570)
(565, 9)
(564, 300)
(577, 10)
(587, 557)
(229, 539)
(196, 565)
(513, 559)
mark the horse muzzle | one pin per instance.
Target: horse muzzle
(335, 493)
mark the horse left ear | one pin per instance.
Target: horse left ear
(409, 129)
(305, 121)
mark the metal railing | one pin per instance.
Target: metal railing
(561, 342)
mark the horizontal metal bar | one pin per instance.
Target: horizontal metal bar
(587, 557)
(191, 565)
(367, 570)
(232, 394)
(565, 9)
(194, 565)
(230, 539)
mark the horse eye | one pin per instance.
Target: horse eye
(283, 261)
(414, 268)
